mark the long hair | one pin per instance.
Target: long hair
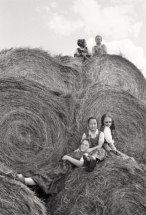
(102, 121)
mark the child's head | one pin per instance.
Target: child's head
(98, 39)
(85, 144)
(107, 120)
(82, 43)
(92, 123)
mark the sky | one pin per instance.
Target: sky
(55, 26)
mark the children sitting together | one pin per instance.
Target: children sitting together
(94, 148)
(83, 52)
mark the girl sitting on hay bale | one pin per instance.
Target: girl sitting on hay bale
(96, 151)
(99, 49)
(105, 139)
(106, 134)
(82, 51)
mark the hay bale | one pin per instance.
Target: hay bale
(36, 109)
(34, 124)
(117, 72)
(114, 187)
(31, 64)
(16, 198)
(128, 113)
(37, 65)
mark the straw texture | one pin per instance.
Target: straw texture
(116, 186)
(16, 198)
(117, 72)
(37, 109)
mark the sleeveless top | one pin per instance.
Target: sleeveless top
(93, 141)
(99, 50)
(100, 153)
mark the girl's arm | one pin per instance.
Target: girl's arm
(88, 52)
(83, 137)
(93, 50)
(108, 137)
(100, 143)
(104, 49)
(77, 53)
(78, 163)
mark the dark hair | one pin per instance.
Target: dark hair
(98, 36)
(92, 118)
(102, 121)
(80, 42)
(86, 140)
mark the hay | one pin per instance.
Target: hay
(39, 66)
(16, 198)
(37, 109)
(128, 113)
(117, 72)
(114, 187)
(44, 105)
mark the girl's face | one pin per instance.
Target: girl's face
(93, 124)
(108, 121)
(84, 145)
(98, 40)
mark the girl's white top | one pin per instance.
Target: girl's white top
(107, 135)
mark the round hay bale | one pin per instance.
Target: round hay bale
(31, 64)
(16, 198)
(128, 113)
(39, 66)
(117, 72)
(116, 186)
(35, 123)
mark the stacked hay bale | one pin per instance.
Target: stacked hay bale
(37, 109)
(116, 186)
(44, 101)
(16, 198)
(117, 72)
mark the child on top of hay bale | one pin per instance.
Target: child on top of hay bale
(99, 49)
(82, 51)
(96, 151)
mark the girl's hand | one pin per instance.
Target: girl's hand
(89, 150)
(77, 150)
(65, 157)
